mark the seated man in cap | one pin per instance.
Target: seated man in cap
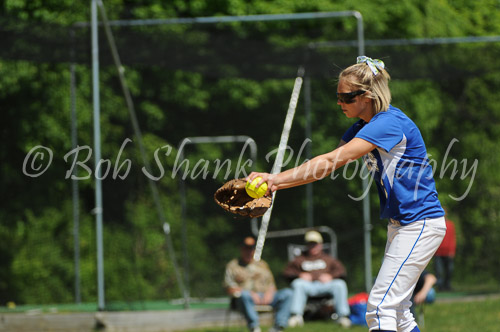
(315, 273)
(252, 283)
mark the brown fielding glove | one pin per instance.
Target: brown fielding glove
(233, 197)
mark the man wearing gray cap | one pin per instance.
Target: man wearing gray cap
(315, 273)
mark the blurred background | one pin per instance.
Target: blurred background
(187, 77)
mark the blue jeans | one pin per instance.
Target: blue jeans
(302, 289)
(281, 304)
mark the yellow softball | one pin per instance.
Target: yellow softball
(256, 193)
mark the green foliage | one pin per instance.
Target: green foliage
(36, 263)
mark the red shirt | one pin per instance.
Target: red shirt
(449, 244)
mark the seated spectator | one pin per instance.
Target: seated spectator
(315, 273)
(252, 283)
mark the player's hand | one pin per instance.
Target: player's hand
(266, 177)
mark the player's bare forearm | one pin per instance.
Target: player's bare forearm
(313, 170)
(316, 168)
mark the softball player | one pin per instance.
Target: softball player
(395, 154)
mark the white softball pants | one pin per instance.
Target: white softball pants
(408, 251)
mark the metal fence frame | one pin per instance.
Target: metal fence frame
(360, 43)
(93, 24)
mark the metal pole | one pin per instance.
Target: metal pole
(367, 227)
(135, 124)
(366, 200)
(361, 33)
(97, 156)
(185, 257)
(229, 19)
(74, 183)
(302, 231)
(285, 133)
(173, 258)
(309, 186)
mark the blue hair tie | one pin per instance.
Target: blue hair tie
(374, 64)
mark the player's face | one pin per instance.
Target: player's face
(353, 102)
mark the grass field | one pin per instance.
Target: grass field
(453, 312)
(477, 315)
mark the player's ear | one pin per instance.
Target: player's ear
(367, 97)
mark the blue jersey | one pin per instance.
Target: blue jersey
(399, 165)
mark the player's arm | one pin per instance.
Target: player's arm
(318, 167)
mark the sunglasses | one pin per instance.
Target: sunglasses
(348, 97)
